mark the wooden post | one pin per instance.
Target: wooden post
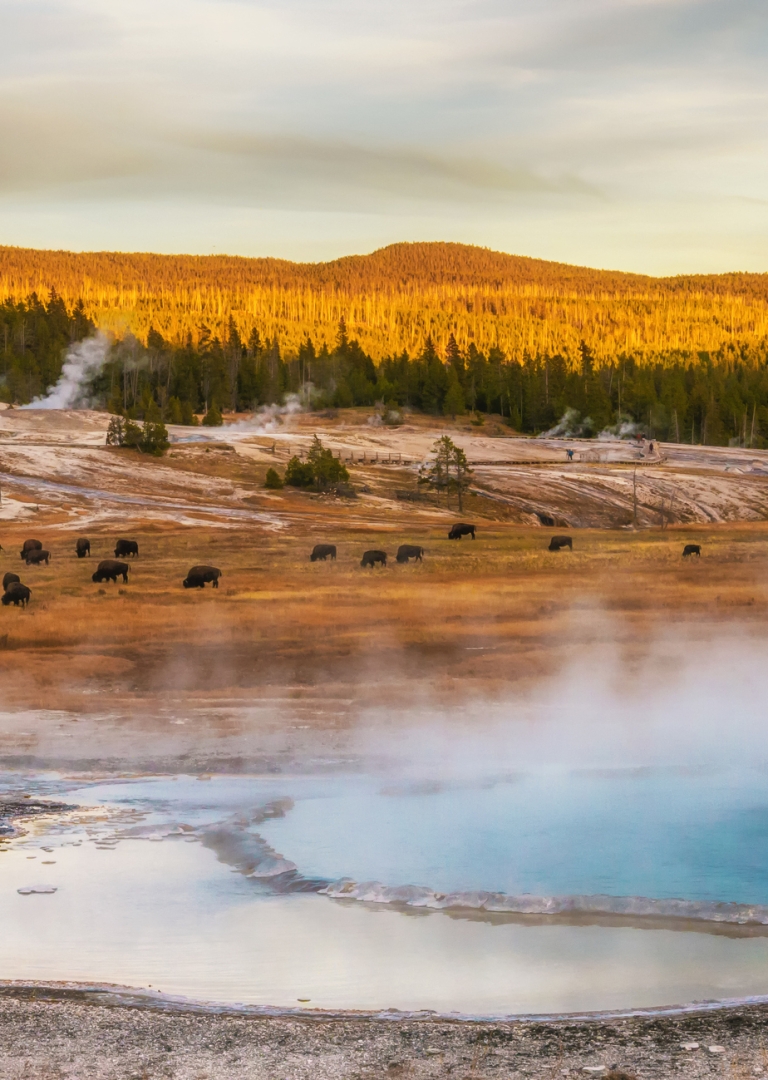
(634, 498)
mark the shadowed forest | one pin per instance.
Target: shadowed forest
(438, 328)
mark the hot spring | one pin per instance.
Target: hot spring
(586, 849)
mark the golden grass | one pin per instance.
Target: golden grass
(494, 611)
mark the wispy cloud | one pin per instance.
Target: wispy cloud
(531, 114)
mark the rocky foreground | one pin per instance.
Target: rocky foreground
(48, 1032)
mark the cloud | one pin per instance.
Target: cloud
(65, 150)
(459, 111)
(45, 147)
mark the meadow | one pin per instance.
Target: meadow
(474, 618)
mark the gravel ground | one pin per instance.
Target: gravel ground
(48, 1032)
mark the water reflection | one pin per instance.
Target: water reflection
(141, 901)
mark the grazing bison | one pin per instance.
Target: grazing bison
(34, 558)
(109, 570)
(558, 542)
(409, 551)
(30, 545)
(460, 529)
(8, 578)
(16, 594)
(370, 558)
(126, 547)
(323, 552)
(198, 575)
(692, 549)
(83, 547)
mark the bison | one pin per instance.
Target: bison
(461, 529)
(370, 558)
(558, 542)
(8, 578)
(110, 570)
(409, 551)
(323, 552)
(16, 594)
(692, 549)
(83, 547)
(34, 558)
(198, 575)
(126, 547)
(30, 545)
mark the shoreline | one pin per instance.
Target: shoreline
(115, 995)
(70, 1030)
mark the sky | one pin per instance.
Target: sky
(626, 134)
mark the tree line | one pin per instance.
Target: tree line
(707, 397)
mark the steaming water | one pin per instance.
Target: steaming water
(210, 889)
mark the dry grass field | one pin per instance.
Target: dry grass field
(490, 612)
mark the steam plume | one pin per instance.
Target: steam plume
(84, 360)
(266, 419)
(570, 425)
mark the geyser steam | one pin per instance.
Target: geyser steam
(84, 360)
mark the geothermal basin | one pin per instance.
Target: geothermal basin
(489, 892)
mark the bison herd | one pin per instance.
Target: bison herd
(33, 554)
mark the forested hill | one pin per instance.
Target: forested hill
(396, 298)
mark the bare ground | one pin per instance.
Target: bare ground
(51, 1032)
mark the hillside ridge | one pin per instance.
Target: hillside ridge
(429, 262)
(396, 296)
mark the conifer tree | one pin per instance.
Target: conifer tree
(213, 417)
(453, 405)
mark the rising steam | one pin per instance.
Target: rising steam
(569, 426)
(266, 419)
(84, 360)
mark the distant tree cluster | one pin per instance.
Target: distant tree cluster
(447, 471)
(397, 297)
(150, 438)
(712, 397)
(321, 471)
(34, 335)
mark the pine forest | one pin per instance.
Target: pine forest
(441, 328)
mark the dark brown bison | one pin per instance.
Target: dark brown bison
(558, 542)
(323, 552)
(30, 545)
(198, 575)
(461, 529)
(34, 558)
(126, 547)
(110, 570)
(370, 558)
(692, 549)
(16, 594)
(8, 578)
(409, 551)
(83, 547)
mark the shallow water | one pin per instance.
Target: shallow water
(174, 884)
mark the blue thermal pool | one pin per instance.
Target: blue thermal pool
(541, 891)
